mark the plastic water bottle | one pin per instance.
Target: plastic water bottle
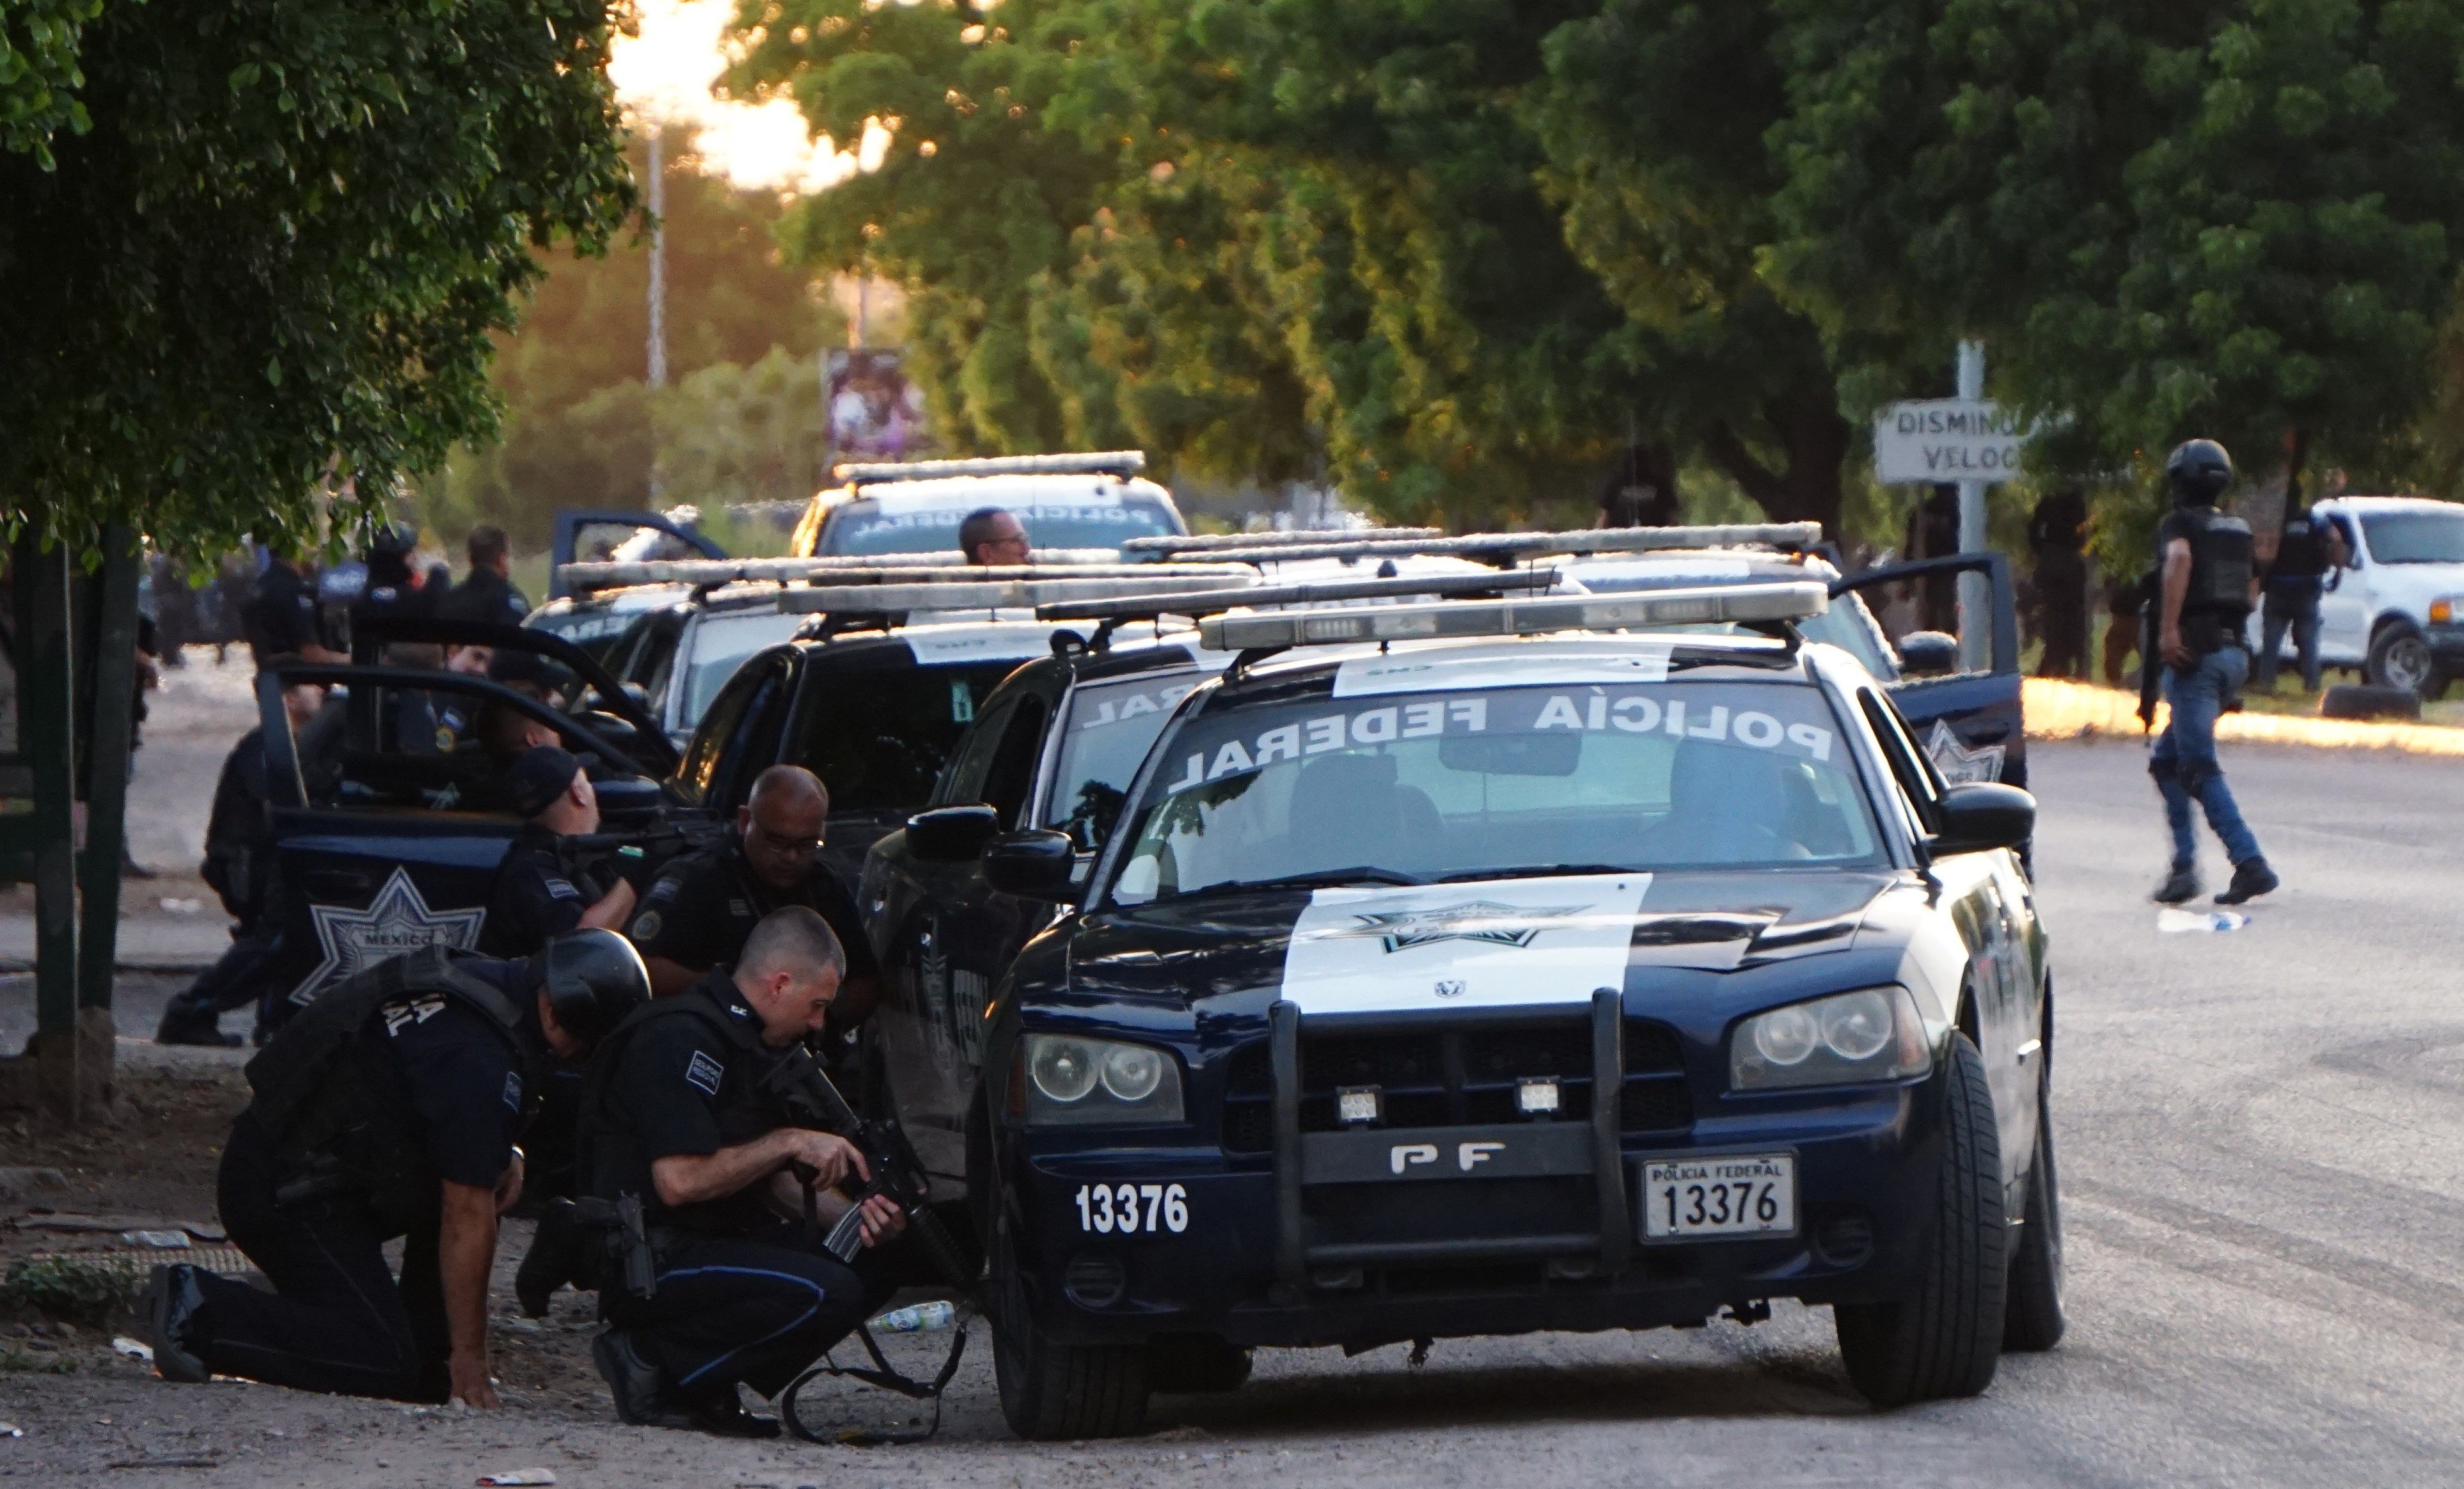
(921, 1319)
(2198, 922)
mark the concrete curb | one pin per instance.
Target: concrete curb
(2058, 708)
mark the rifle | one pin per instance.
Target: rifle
(2151, 605)
(796, 1082)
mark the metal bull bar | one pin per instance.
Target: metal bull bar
(1563, 1153)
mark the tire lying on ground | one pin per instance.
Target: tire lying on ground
(2361, 700)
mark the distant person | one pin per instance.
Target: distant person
(282, 619)
(2308, 548)
(1641, 492)
(2126, 597)
(2058, 538)
(1933, 532)
(993, 536)
(487, 593)
(2203, 589)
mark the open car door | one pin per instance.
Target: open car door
(582, 537)
(1970, 722)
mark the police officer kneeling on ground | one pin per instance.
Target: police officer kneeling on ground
(676, 1117)
(389, 1106)
(544, 887)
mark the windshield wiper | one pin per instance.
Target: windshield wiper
(1549, 871)
(1321, 878)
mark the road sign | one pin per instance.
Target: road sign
(1947, 439)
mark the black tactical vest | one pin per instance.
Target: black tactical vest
(607, 1160)
(334, 1131)
(2220, 566)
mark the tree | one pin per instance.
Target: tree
(2236, 219)
(266, 263)
(38, 72)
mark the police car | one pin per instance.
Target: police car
(1491, 966)
(1079, 501)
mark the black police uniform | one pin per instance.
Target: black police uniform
(2296, 579)
(343, 1148)
(282, 616)
(542, 888)
(699, 911)
(239, 864)
(741, 1295)
(484, 594)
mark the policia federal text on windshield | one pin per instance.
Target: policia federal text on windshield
(2192, 648)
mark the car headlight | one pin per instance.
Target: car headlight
(1070, 1079)
(1870, 1035)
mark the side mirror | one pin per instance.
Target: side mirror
(1929, 654)
(1982, 815)
(951, 833)
(1033, 865)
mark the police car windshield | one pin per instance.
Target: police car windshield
(1106, 736)
(1452, 784)
(2415, 536)
(721, 643)
(866, 527)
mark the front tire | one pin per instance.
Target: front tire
(1944, 1338)
(1050, 1389)
(2033, 1320)
(2400, 657)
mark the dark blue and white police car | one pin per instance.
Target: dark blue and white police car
(1491, 966)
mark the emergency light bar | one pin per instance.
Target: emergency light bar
(1214, 601)
(1709, 605)
(1122, 463)
(1507, 547)
(708, 572)
(988, 594)
(1210, 542)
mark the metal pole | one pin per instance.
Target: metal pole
(1975, 596)
(47, 709)
(108, 735)
(658, 349)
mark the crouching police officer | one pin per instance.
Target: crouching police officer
(544, 887)
(680, 1117)
(389, 1106)
(2204, 585)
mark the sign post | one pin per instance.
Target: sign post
(1967, 440)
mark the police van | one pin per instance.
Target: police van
(1504, 964)
(1092, 500)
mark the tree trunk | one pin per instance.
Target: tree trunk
(1805, 423)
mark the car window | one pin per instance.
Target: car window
(973, 762)
(1465, 784)
(879, 736)
(752, 744)
(863, 527)
(1013, 772)
(719, 644)
(2415, 536)
(1910, 767)
(1105, 738)
(719, 727)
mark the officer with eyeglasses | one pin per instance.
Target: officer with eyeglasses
(699, 914)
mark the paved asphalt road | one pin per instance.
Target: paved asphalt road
(2262, 1148)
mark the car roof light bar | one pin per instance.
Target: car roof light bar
(709, 572)
(1214, 601)
(1508, 547)
(1208, 544)
(986, 594)
(1711, 604)
(1123, 463)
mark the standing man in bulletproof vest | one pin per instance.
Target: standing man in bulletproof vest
(487, 593)
(2308, 547)
(2203, 593)
(697, 915)
(389, 1107)
(545, 886)
(678, 1116)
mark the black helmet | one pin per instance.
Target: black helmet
(2198, 470)
(593, 979)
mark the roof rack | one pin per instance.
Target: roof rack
(1210, 543)
(709, 572)
(1504, 548)
(1707, 606)
(1150, 604)
(1122, 463)
(898, 593)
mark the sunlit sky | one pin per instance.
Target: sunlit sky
(664, 75)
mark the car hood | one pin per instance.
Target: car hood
(1577, 931)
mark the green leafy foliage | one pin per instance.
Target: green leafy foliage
(38, 72)
(269, 269)
(70, 1287)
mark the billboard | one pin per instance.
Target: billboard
(874, 412)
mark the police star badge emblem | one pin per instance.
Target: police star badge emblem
(397, 921)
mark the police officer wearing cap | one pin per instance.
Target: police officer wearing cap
(389, 1106)
(2204, 586)
(544, 887)
(697, 915)
(678, 1115)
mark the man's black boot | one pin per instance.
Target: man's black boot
(641, 1394)
(725, 1416)
(179, 1026)
(2251, 878)
(2180, 885)
(172, 1299)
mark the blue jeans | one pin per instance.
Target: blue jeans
(2184, 761)
(2295, 608)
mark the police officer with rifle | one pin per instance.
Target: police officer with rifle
(2193, 638)
(548, 884)
(705, 1110)
(389, 1106)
